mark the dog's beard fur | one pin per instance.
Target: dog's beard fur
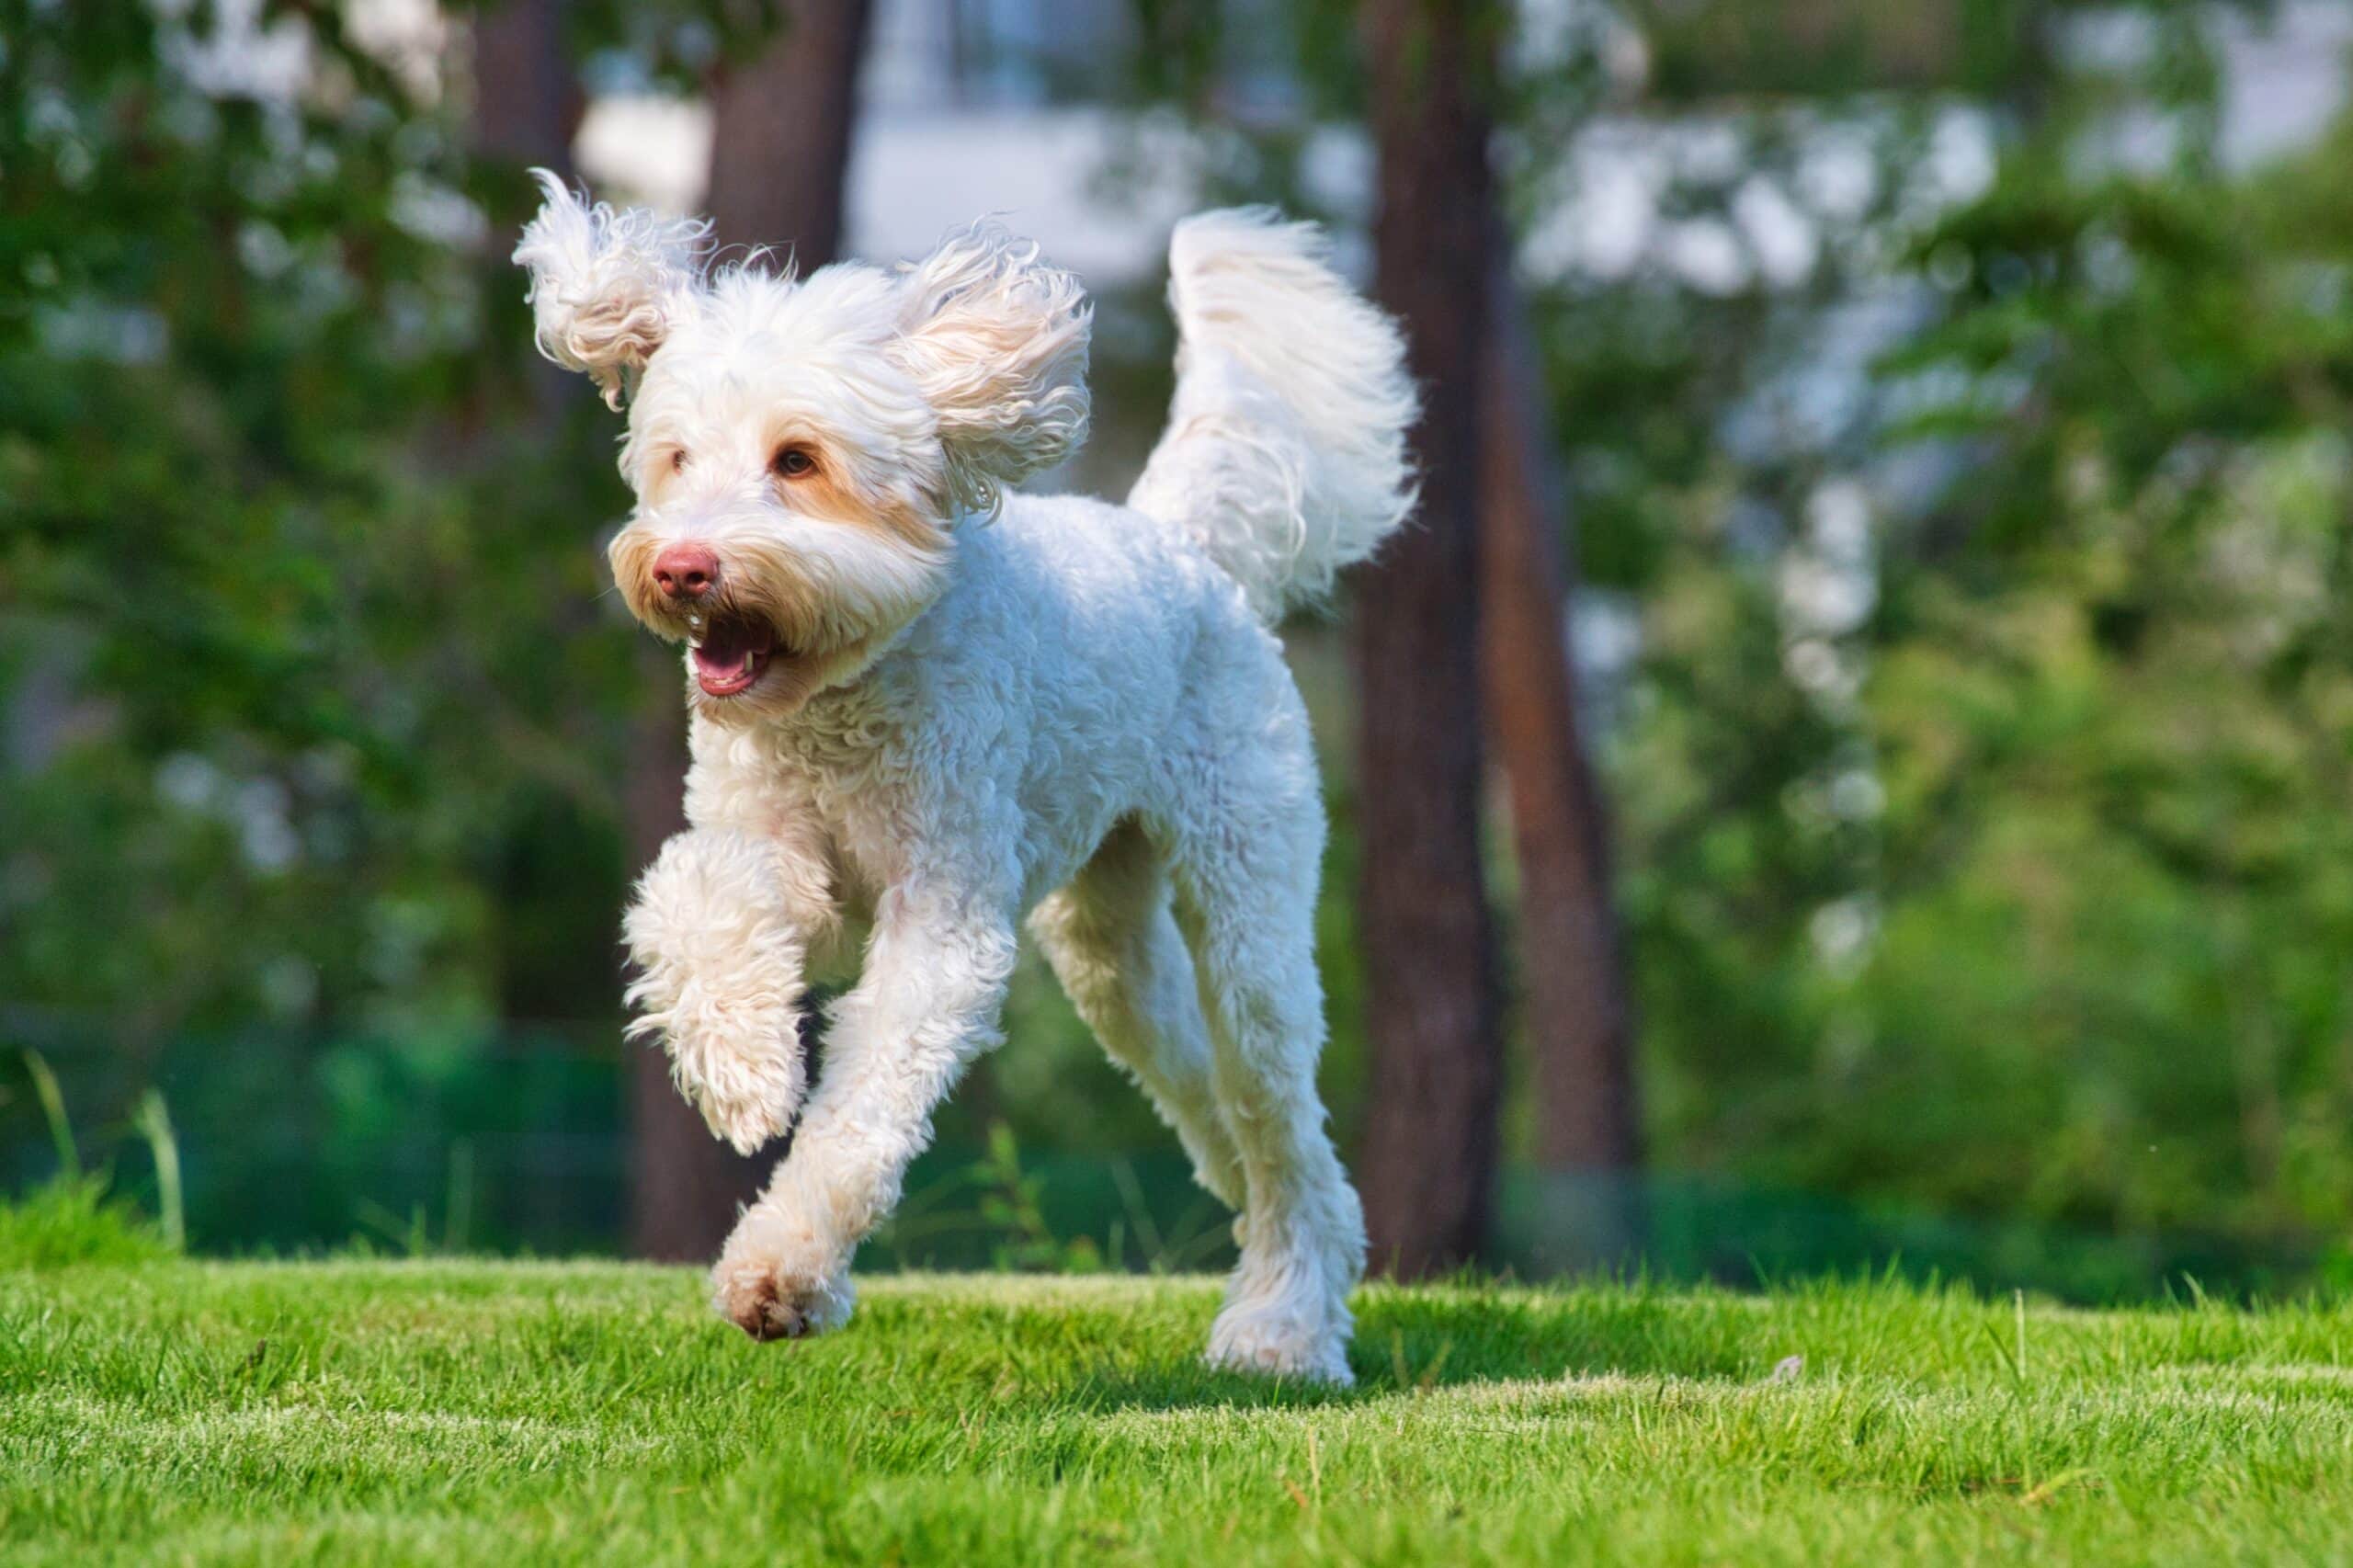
(827, 595)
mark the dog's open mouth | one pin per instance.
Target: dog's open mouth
(731, 656)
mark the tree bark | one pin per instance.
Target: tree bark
(781, 134)
(1572, 965)
(526, 102)
(779, 167)
(1430, 1139)
(527, 108)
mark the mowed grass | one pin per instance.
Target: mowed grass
(442, 1413)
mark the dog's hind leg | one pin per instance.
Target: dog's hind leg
(1113, 944)
(1245, 872)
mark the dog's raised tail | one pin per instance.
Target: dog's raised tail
(1285, 451)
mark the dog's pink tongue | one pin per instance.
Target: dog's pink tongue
(731, 658)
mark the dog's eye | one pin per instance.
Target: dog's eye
(794, 462)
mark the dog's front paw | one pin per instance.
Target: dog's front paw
(718, 982)
(740, 1065)
(744, 1077)
(769, 1300)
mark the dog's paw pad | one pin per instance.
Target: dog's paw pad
(764, 1303)
(763, 1313)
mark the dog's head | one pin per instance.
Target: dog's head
(804, 449)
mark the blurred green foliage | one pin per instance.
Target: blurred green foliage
(2018, 886)
(309, 692)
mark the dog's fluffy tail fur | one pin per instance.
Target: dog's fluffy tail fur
(1285, 452)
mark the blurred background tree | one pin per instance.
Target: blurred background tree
(1898, 545)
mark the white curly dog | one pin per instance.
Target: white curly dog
(930, 707)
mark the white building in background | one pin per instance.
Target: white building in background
(958, 117)
(976, 106)
(982, 105)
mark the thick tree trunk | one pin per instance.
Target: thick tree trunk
(1430, 1142)
(526, 102)
(780, 129)
(780, 165)
(527, 108)
(1572, 969)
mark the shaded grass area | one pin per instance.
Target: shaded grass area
(437, 1412)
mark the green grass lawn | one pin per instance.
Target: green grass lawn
(437, 1412)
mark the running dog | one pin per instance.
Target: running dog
(947, 708)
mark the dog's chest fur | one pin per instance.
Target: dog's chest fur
(835, 780)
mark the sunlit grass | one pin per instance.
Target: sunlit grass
(435, 1411)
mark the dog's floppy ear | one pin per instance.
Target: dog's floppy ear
(604, 284)
(996, 339)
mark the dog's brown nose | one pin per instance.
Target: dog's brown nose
(685, 569)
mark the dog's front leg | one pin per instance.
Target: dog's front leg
(928, 1003)
(719, 932)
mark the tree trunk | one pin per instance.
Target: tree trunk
(779, 164)
(526, 102)
(1430, 1140)
(1571, 951)
(527, 108)
(781, 134)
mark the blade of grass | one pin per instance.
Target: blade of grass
(53, 1108)
(155, 1123)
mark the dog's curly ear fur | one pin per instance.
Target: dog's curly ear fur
(997, 341)
(605, 284)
